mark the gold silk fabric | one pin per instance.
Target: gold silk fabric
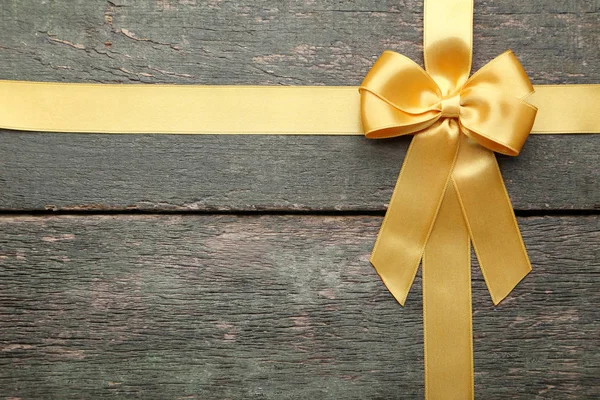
(455, 136)
(449, 190)
(233, 110)
(450, 193)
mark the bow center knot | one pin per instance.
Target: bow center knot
(451, 106)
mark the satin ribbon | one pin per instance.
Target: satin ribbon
(449, 194)
(276, 110)
(449, 190)
(457, 128)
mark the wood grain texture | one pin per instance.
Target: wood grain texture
(271, 307)
(192, 173)
(261, 42)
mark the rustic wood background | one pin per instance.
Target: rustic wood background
(207, 267)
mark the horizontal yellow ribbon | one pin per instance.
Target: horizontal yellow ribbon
(193, 109)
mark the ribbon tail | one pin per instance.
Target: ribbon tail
(414, 206)
(490, 219)
(447, 320)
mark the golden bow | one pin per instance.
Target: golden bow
(456, 132)
(450, 191)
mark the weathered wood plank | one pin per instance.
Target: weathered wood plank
(271, 307)
(163, 172)
(259, 42)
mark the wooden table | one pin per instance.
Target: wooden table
(201, 267)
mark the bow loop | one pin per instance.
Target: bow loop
(400, 81)
(496, 121)
(398, 98)
(504, 74)
(493, 110)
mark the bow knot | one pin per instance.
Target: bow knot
(451, 106)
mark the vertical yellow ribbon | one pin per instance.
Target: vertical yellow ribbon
(450, 192)
(447, 321)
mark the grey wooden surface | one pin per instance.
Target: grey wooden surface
(272, 43)
(270, 306)
(265, 173)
